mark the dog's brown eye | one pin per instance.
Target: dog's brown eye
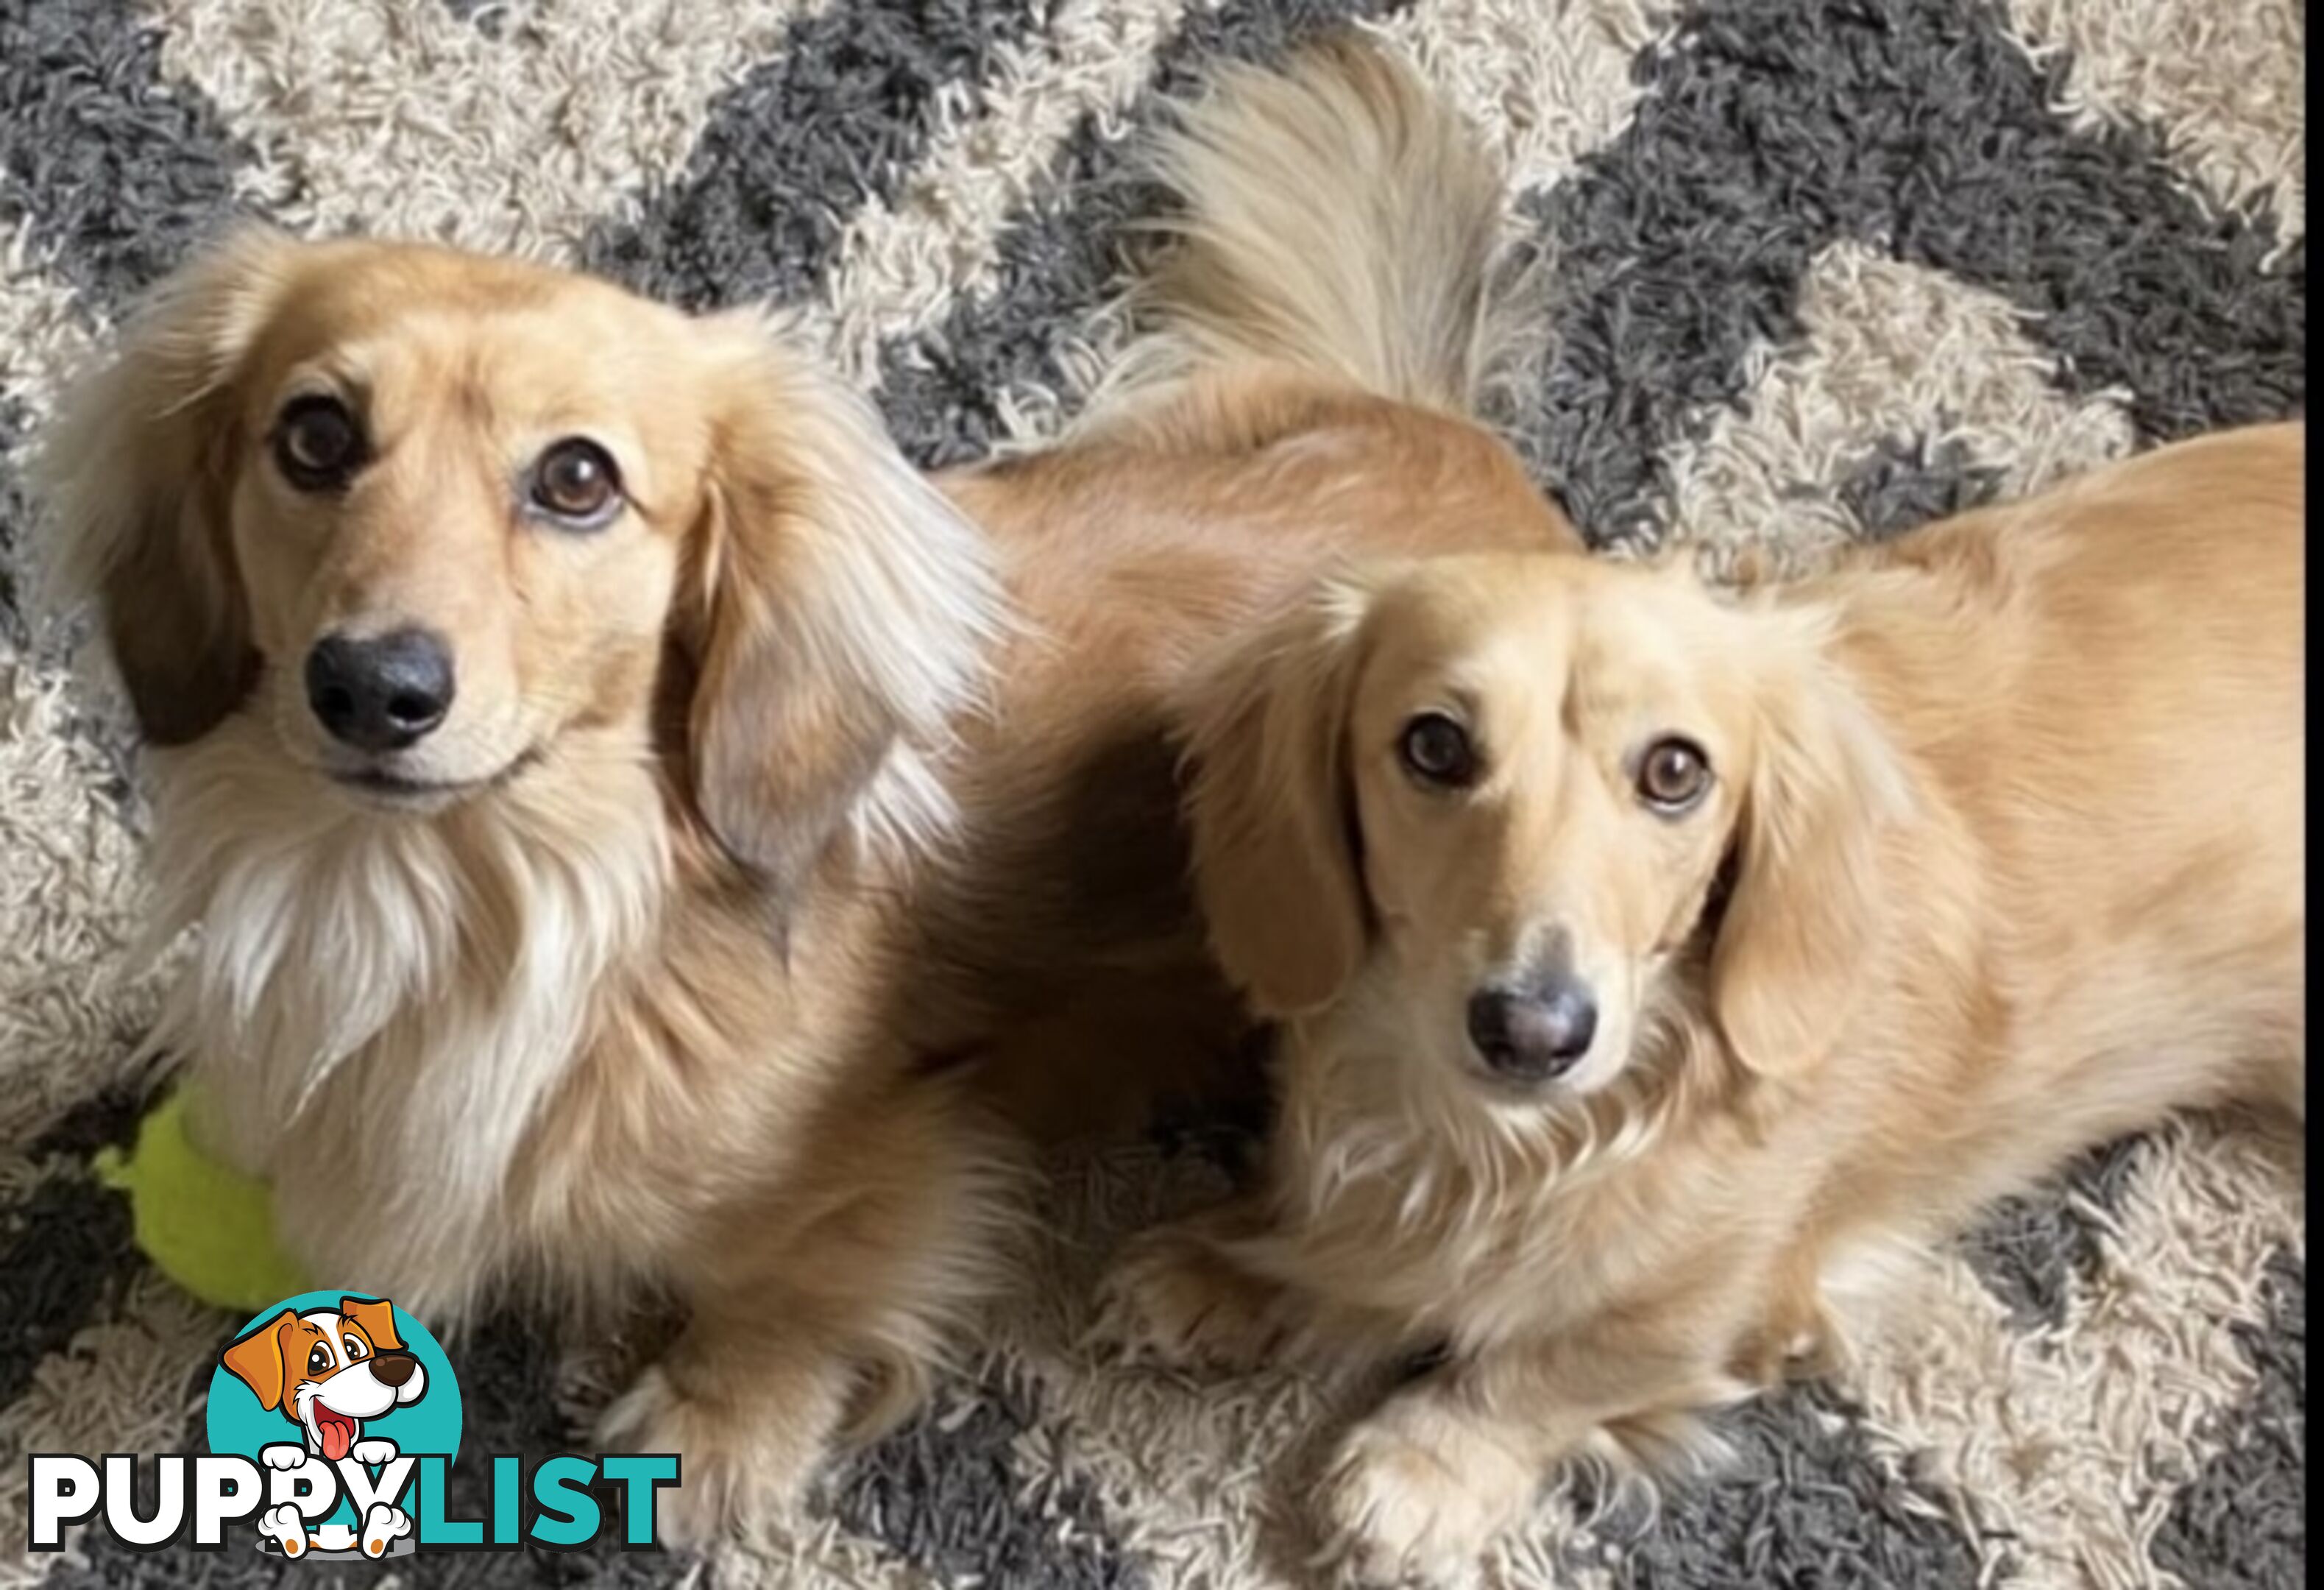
(318, 443)
(1673, 774)
(1437, 751)
(318, 1360)
(576, 480)
(355, 1349)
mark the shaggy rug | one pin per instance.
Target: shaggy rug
(1822, 270)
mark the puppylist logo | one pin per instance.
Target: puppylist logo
(333, 1421)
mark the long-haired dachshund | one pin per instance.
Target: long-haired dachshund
(608, 781)
(1650, 963)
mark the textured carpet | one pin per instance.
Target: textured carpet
(1823, 268)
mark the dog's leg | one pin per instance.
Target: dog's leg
(286, 1525)
(750, 1412)
(1426, 1482)
(1797, 1336)
(820, 1310)
(1179, 1296)
(382, 1526)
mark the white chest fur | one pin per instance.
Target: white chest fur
(379, 1005)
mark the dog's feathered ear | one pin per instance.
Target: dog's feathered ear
(1276, 869)
(138, 471)
(256, 1360)
(838, 612)
(1808, 894)
(377, 1320)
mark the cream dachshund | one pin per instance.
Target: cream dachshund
(1651, 965)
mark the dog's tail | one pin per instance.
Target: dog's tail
(1336, 218)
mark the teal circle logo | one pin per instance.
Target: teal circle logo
(337, 1396)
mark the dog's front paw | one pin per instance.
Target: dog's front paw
(283, 1455)
(1175, 1299)
(738, 1473)
(286, 1527)
(373, 1453)
(1417, 1491)
(383, 1527)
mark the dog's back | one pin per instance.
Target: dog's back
(2105, 683)
(1310, 348)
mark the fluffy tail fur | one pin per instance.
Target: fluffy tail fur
(1337, 218)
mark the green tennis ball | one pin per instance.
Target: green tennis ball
(207, 1227)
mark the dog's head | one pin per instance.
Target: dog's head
(327, 1370)
(430, 516)
(1514, 793)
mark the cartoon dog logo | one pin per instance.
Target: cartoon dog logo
(326, 1370)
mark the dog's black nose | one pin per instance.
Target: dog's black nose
(1536, 1034)
(380, 694)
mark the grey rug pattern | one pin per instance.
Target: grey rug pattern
(1816, 270)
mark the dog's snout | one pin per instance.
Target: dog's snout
(393, 1369)
(1533, 1034)
(380, 694)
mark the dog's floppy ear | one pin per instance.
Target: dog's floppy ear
(138, 471)
(1276, 869)
(837, 614)
(377, 1320)
(1808, 893)
(256, 1360)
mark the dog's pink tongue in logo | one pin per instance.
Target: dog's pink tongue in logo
(338, 1432)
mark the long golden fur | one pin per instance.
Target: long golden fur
(1999, 855)
(624, 953)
